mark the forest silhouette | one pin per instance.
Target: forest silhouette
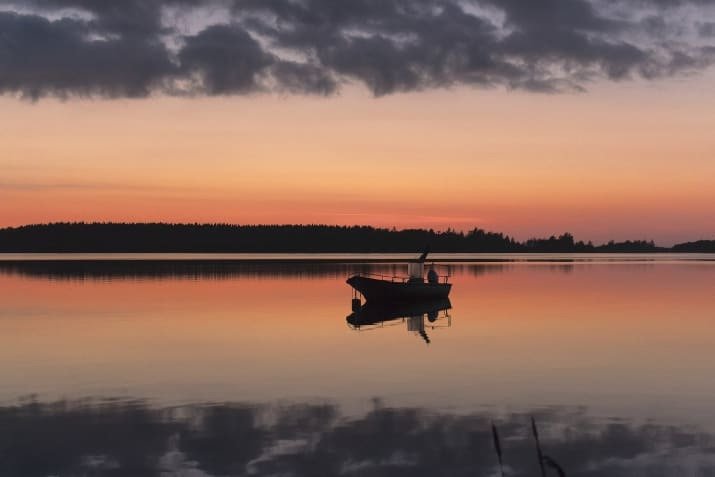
(225, 238)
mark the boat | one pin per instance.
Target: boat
(395, 289)
(413, 287)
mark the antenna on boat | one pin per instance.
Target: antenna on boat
(423, 257)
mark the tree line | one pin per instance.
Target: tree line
(166, 237)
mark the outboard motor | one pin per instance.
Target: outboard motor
(432, 276)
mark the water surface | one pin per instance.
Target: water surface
(217, 366)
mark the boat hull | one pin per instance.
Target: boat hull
(387, 291)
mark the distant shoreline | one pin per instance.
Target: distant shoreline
(349, 258)
(312, 240)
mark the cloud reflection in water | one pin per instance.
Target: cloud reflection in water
(132, 438)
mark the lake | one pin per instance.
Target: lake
(234, 365)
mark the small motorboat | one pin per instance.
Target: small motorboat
(414, 287)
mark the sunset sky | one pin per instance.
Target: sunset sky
(586, 116)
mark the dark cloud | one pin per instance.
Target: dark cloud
(128, 17)
(674, 3)
(129, 48)
(570, 15)
(707, 29)
(39, 57)
(226, 59)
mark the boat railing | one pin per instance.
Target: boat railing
(381, 276)
(397, 278)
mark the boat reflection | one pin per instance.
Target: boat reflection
(419, 316)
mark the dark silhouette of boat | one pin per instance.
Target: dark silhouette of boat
(372, 313)
(378, 314)
(414, 287)
(397, 289)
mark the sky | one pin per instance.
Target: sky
(529, 118)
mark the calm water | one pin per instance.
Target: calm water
(217, 367)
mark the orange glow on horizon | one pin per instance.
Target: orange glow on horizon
(623, 161)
